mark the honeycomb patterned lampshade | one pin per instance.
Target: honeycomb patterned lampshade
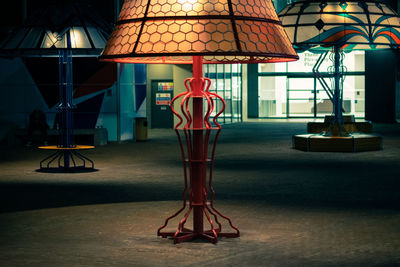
(222, 31)
(350, 24)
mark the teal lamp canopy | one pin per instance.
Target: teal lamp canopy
(351, 24)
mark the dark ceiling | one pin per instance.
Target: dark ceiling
(12, 11)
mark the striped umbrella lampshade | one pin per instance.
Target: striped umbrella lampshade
(351, 24)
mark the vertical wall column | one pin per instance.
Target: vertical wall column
(338, 90)
(252, 90)
(24, 10)
(380, 85)
(117, 82)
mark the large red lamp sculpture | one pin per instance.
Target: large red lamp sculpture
(197, 32)
(339, 26)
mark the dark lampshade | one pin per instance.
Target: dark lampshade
(350, 24)
(224, 31)
(45, 32)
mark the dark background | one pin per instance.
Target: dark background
(12, 11)
(382, 67)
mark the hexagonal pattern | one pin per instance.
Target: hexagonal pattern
(254, 8)
(132, 9)
(122, 39)
(198, 27)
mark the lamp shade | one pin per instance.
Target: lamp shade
(349, 24)
(222, 31)
(45, 32)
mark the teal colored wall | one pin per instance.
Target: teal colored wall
(252, 90)
(380, 85)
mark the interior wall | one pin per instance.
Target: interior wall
(398, 93)
(380, 86)
(20, 94)
(252, 90)
(127, 102)
(108, 113)
(180, 74)
(244, 92)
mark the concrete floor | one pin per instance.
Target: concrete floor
(293, 208)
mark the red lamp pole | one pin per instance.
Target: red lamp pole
(198, 165)
(197, 131)
(228, 35)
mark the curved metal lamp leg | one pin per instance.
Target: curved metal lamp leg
(197, 131)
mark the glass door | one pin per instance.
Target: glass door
(272, 97)
(291, 89)
(300, 97)
(226, 81)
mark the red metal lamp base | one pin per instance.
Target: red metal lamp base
(198, 183)
(184, 234)
(197, 133)
(188, 235)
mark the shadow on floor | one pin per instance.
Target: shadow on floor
(307, 192)
(246, 170)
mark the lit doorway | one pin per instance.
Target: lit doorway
(291, 90)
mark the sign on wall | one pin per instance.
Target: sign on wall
(165, 86)
(163, 99)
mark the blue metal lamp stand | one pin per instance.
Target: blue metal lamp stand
(67, 152)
